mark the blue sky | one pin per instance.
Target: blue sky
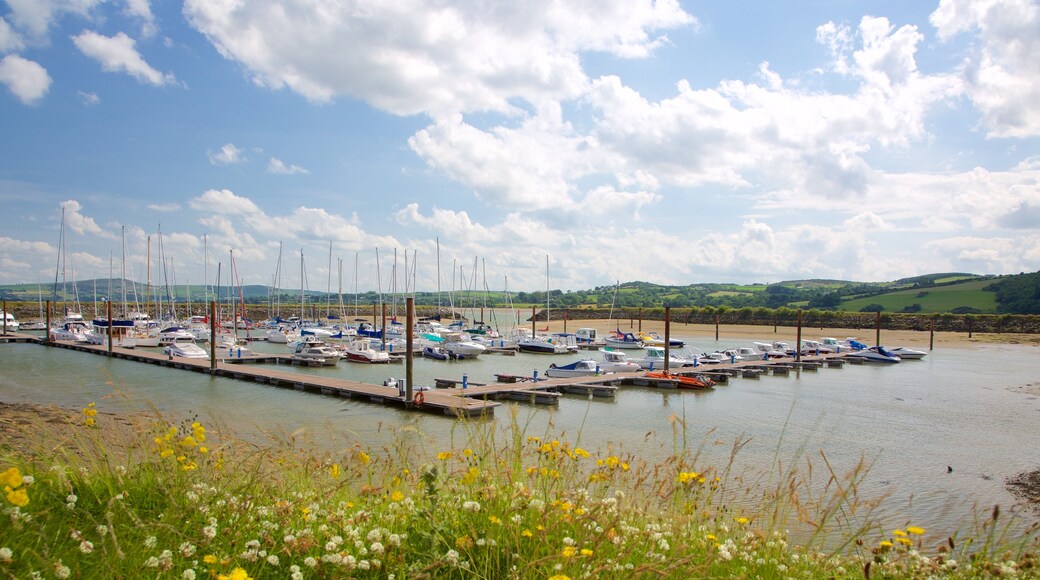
(670, 142)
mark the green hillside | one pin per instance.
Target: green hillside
(937, 299)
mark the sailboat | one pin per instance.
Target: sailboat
(528, 341)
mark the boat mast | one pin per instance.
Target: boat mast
(328, 287)
(302, 285)
(356, 284)
(438, 278)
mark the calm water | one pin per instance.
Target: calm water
(958, 407)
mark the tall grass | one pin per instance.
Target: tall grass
(178, 501)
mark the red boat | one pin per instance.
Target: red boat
(684, 381)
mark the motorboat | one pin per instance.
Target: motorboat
(185, 347)
(311, 350)
(815, 347)
(537, 344)
(71, 329)
(905, 353)
(436, 353)
(568, 340)
(461, 345)
(655, 339)
(653, 359)
(9, 322)
(618, 339)
(281, 335)
(877, 354)
(616, 361)
(121, 332)
(234, 348)
(581, 368)
(684, 381)
(588, 337)
(767, 350)
(360, 350)
(172, 334)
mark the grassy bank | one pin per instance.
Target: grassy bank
(90, 495)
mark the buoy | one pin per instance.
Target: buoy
(420, 398)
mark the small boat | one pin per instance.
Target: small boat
(655, 339)
(172, 334)
(582, 368)
(462, 345)
(314, 349)
(654, 359)
(234, 348)
(877, 354)
(121, 333)
(72, 328)
(538, 344)
(399, 385)
(618, 339)
(768, 350)
(616, 361)
(589, 337)
(436, 353)
(684, 381)
(184, 347)
(907, 353)
(360, 350)
(9, 321)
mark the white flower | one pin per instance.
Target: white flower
(188, 574)
(452, 557)
(363, 565)
(375, 535)
(310, 562)
(471, 506)
(209, 531)
(28, 479)
(102, 530)
(150, 542)
(152, 562)
(376, 548)
(61, 570)
(272, 560)
(86, 547)
(187, 549)
(6, 554)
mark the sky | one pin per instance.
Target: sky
(515, 145)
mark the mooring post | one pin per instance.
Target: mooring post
(798, 339)
(409, 338)
(969, 327)
(534, 329)
(877, 334)
(931, 336)
(5, 316)
(109, 303)
(212, 336)
(47, 335)
(667, 336)
(640, 319)
(716, 328)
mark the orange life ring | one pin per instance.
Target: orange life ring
(420, 398)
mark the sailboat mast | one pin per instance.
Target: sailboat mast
(328, 287)
(302, 284)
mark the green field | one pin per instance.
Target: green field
(932, 300)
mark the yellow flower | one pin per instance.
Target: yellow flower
(236, 574)
(915, 530)
(188, 441)
(334, 470)
(559, 577)
(165, 453)
(568, 551)
(742, 520)
(899, 533)
(467, 452)
(396, 496)
(494, 520)
(905, 541)
(203, 449)
(209, 559)
(11, 477)
(526, 533)
(586, 552)
(364, 458)
(444, 455)
(18, 497)
(189, 466)
(710, 537)
(885, 545)
(89, 422)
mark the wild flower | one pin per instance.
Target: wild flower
(188, 574)
(89, 412)
(364, 458)
(6, 555)
(914, 530)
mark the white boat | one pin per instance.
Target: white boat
(281, 335)
(234, 348)
(582, 368)
(360, 350)
(310, 349)
(9, 322)
(72, 328)
(815, 347)
(905, 353)
(767, 350)
(185, 347)
(589, 337)
(461, 345)
(877, 354)
(616, 361)
(619, 339)
(537, 344)
(653, 359)
(122, 333)
(172, 334)
(568, 340)
(655, 339)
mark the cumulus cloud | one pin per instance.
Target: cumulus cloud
(26, 79)
(118, 54)
(82, 224)
(224, 201)
(10, 41)
(227, 155)
(89, 99)
(277, 166)
(164, 207)
(1002, 71)
(440, 59)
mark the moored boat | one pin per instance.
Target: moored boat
(684, 381)
(185, 347)
(581, 368)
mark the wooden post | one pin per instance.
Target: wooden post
(641, 322)
(382, 329)
(47, 336)
(969, 327)
(534, 329)
(564, 321)
(109, 304)
(877, 334)
(716, 328)
(931, 336)
(409, 316)
(667, 336)
(798, 339)
(5, 316)
(213, 336)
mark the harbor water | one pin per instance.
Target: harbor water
(939, 436)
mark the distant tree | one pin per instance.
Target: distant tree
(872, 308)
(912, 308)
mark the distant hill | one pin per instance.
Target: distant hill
(948, 292)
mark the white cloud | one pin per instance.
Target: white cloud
(81, 224)
(1002, 72)
(407, 59)
(142, 10)
(37, 16)
(26, 79)
(227, 155)
(224, 201)
(164, 207)
(276, 166)
(118, 54)
(10, 41)
(89, 99)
